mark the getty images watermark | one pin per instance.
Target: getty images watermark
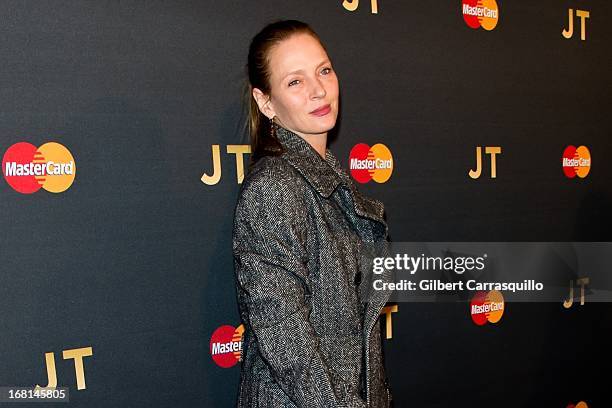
(455, 271)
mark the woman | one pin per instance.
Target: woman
(311, 337)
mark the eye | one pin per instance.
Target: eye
(328, 69)
(292, 82)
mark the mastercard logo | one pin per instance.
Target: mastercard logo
(487, 307)
(576, 161)
(226, 345)
(27, 168)
(371, 163)
(480, 13)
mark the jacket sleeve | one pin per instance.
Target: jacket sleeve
(270, 265)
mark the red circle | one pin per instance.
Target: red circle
(21, 153)
(359, 152)
(569, 153)
(219, 340)
(471, 21)
(479, 299)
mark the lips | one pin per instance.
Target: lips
(323, 110)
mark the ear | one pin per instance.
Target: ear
(264, 103)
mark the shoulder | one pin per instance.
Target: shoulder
(273, 201)
(272, 184)
(271, 170)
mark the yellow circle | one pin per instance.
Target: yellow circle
(384, 163)
(489, 20)
(60, 167)
(496, 300)
(585, 156)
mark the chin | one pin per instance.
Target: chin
(324, 125)
(323, 128)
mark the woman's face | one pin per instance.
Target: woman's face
(302, 81)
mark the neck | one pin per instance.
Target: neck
(318, 142)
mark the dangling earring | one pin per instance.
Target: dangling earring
(272, 128)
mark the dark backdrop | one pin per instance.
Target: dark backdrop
(134, 259)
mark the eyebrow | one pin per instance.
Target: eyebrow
(300, 70)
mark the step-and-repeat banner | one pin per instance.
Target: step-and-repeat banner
(123, 150)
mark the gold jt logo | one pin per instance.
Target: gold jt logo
(569, 31)
(570, 301)
(75, 354)
(352, 5)
(388, 312)
(239, 151)
(490, 150)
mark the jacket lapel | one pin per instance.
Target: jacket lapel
(301, 155)
(324, 175)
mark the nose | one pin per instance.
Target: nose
(318, 90)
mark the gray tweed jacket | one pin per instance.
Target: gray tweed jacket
(299, 225)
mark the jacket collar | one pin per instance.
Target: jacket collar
(301, 155)
(325, 174)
